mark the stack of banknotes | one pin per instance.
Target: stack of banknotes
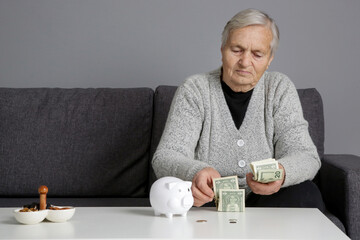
(228, 196)
(266, 171)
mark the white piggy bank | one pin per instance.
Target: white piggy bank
(171, 195)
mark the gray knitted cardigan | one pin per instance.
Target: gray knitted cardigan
(200, 131)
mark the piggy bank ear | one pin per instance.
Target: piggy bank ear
(188, 184)
(170, 185)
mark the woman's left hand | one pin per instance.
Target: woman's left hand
(264, 188)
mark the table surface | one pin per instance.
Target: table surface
(141, 223)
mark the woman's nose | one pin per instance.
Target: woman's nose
(245, 60)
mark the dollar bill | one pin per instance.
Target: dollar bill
(262, 165)
(266, 170)
(230, 182)
(232, 200)
(270, 175)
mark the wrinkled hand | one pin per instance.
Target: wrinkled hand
(264, 188)
(202, 186)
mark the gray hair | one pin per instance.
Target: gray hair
(250, 17)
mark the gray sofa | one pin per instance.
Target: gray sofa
(93, 147)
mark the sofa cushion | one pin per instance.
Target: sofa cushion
(310, 101)
(78, 142)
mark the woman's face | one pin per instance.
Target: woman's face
(245, 57)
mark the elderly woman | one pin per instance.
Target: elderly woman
(221, 121)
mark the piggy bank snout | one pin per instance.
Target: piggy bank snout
(187, 201)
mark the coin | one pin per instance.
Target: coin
(232, 220)
(201, 220)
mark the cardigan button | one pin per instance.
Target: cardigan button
(241, 163)
(240, 142)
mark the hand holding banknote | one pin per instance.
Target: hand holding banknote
(264, 187)
(202, 186)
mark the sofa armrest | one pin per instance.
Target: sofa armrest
(340, 188)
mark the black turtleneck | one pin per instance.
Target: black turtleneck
(237, 103)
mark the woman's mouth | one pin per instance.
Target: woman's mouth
(243, 72)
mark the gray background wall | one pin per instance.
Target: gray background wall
(108, 43)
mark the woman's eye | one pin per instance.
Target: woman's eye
(257, 55)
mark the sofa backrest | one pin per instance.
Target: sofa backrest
(78, 142)
(162, 101)
(310, 100)
(312, 105)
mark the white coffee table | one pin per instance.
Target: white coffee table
(140, 223)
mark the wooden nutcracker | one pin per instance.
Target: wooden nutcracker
(43, 190)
